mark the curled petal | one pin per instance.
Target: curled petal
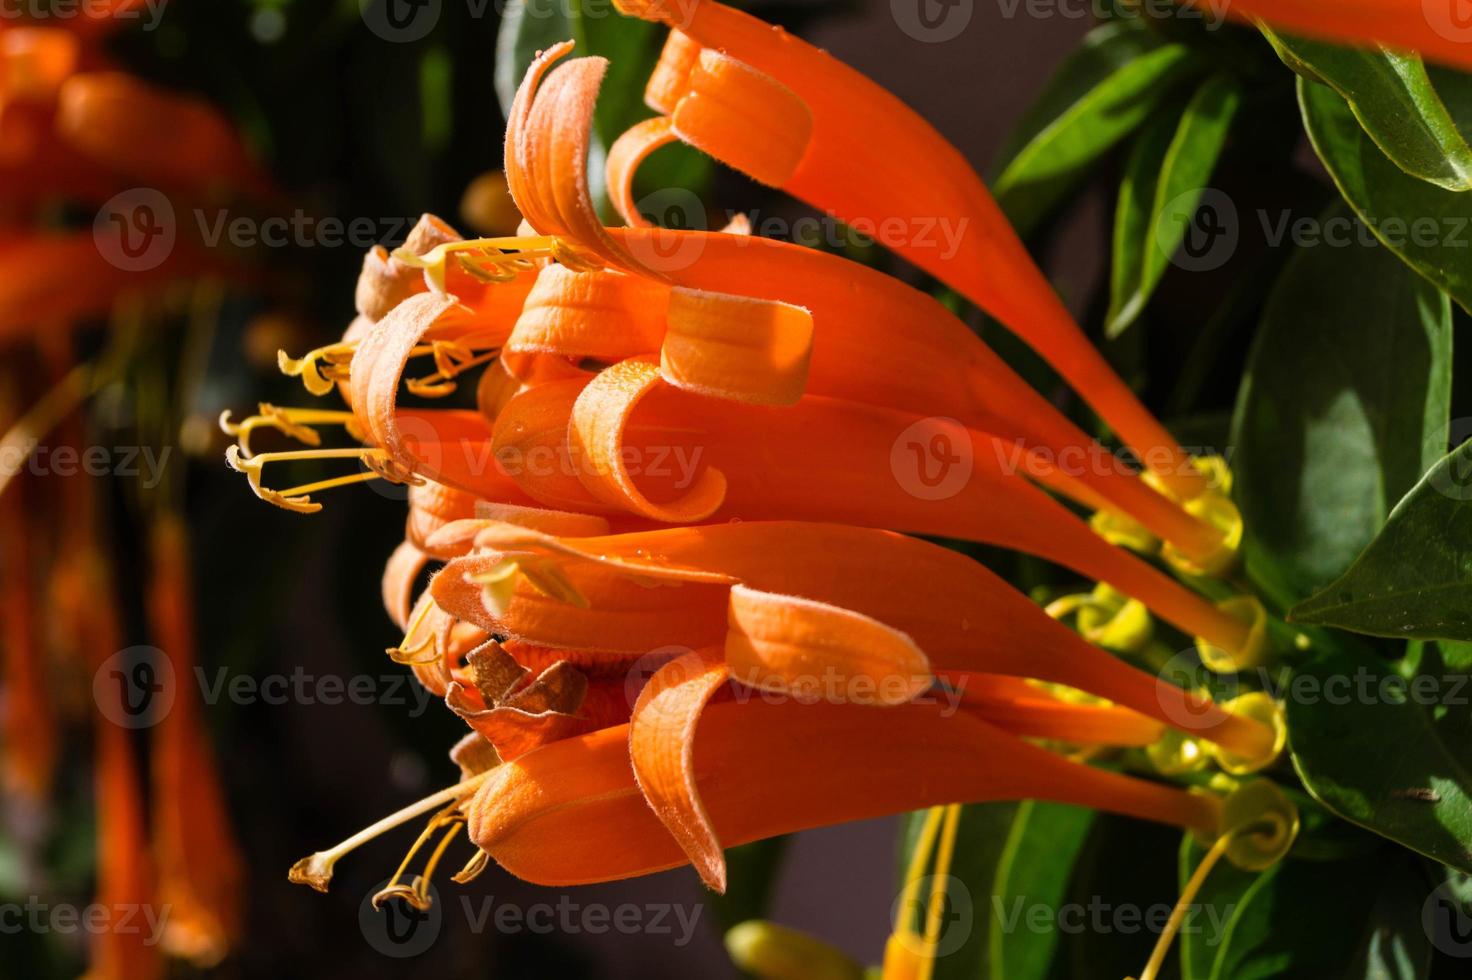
(662, 747)
(734, 347)
(626, 155)
(596, 437)
(399, 576)
(790, 644)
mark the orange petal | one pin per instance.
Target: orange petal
(825, 460)
(607, 316)
(662, 746)
(963, 616)
(626, 155)
(572, 812)
(734, 347)
(200, 868)
(795, 645)
(153, 135)
(399, 576)
(871, 161)
(596, 437)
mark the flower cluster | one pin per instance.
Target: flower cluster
(680, 606)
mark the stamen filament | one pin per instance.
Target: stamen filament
(1188, 895)
(319, 369)
(451, 360)
(316, 869)
(488, 260)
(295, 423)
(406, 654)
(935, 909)
(417, 892)
(295, 499)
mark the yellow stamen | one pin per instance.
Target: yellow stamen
(295, 423)
(486, 259)
(416, 893)
(316, 870)
(472, 869)
(904, 946)
(320, 369)
(450, 361)
(935, 910)
(414, 655)
(296, 498)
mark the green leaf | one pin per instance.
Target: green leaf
(1415, 579)
(1385, 752)
(1397, 105)
(1162, 188)
(529, 26)
(1101, 93)
(1344, 404)
(1427, 227)
(1033, 873)
(1304, 919)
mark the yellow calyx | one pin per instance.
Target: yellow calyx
(1261, 707)
(772, 952)
(1124, 532)
(484, 259)
(1107, 617)
(1175, 753)
(1253, 651)
(1259, 824)
(1214, 506)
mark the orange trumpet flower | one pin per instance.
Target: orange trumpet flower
(820, 329)
(787, 601)
(791, 116)
(200, 870)
(572, 812)
(1434, 29)
(569, 445)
